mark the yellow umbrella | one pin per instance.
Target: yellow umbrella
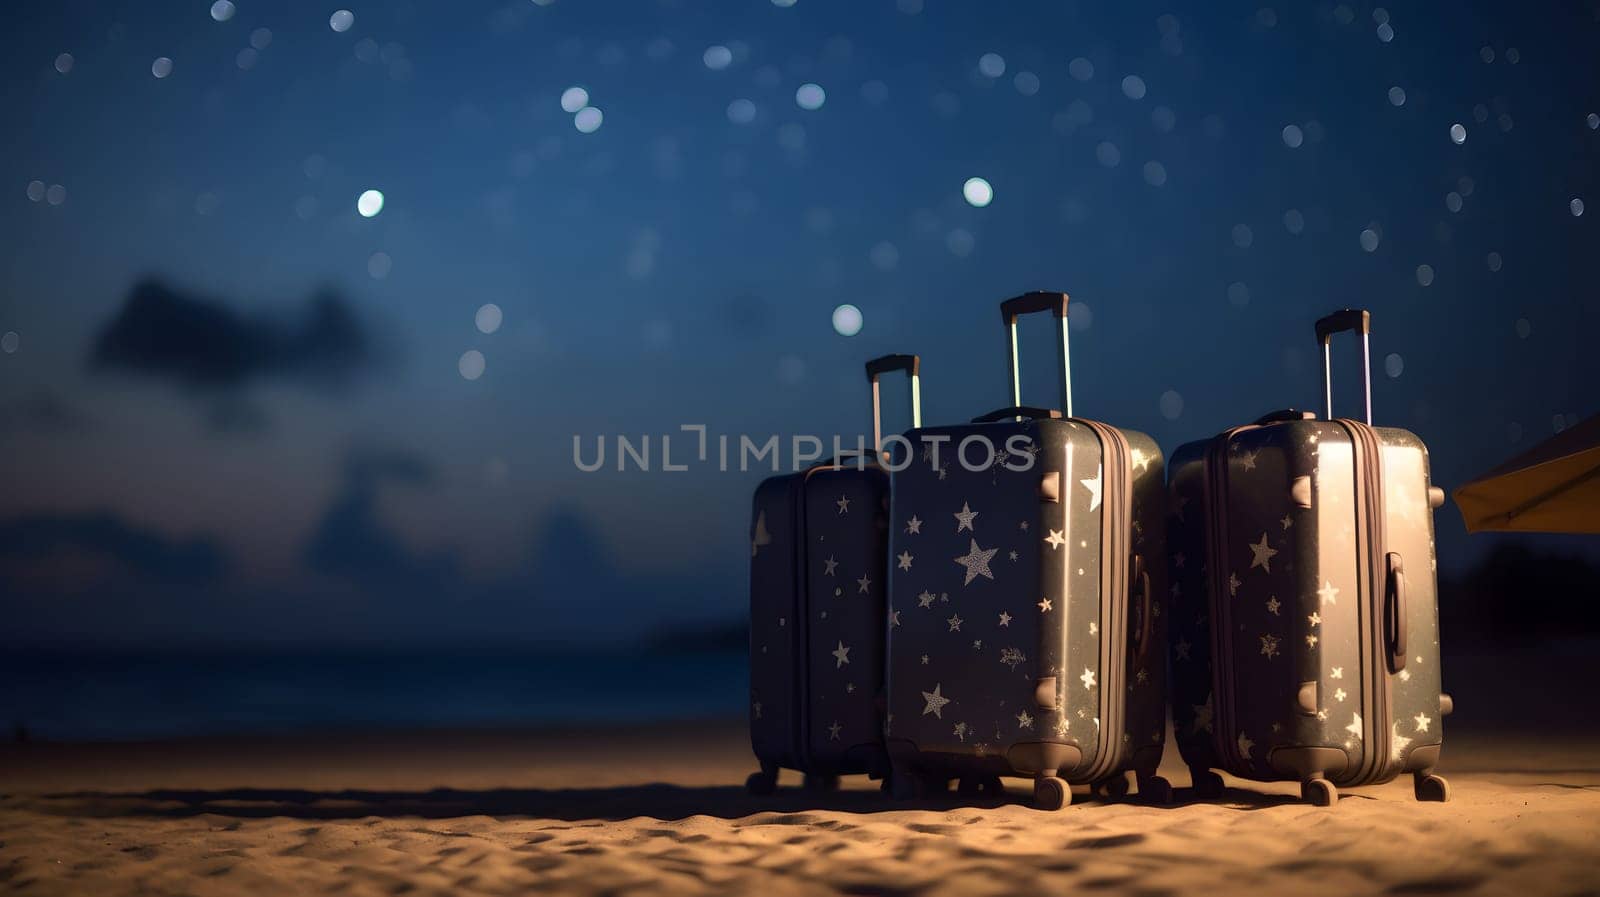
(1553, 487)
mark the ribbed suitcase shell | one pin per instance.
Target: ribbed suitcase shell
(1280, 642)
(817, 621)
(1008, 646)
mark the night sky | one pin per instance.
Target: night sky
(235, 408)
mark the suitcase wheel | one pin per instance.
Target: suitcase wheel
(1207, 784)
(902, 784)
(1155, 790)
(761, 783)
(1430, 787)
(821, 783)
(1114, 788)
(1319, 792)
(1051, 793)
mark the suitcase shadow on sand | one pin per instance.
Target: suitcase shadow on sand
(659, 801)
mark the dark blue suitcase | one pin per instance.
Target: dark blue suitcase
(1305, 615)
(1028, 591)
(818, 570)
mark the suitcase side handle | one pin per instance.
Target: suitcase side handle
(1353, 319)
(1017, 411)
(1395, 613)
(1145, 605)
(877, 367)
(1027, 304)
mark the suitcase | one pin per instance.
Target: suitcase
(1026, 630)
(1305, 634)
(817, 584)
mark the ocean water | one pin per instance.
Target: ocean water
(132, 696)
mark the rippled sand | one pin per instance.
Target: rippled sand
(663, 811)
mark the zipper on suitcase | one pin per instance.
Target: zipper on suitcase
(1368, 475)
(1116, 518)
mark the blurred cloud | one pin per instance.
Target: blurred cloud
(43, 412)
(197, 342)
(64, 552)
(351, 541)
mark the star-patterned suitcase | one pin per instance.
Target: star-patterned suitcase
(1026, 635)
(1305, 621)
(817, 578)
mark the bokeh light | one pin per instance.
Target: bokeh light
(847, 320)
(1294, 222)
(1133, 87)
(341, 20)
(1171, 404)
(588, 119)
(10, 342)
(1458, 133)
(369, 203)
(1494, 261)
(977, 192)
(1026, 83)
(488, 318)
(379, 264)
(1238, 294)
(1293, 137)
(1243, 236)
(471, 364)
(222, 10)
(1080, 69)
(36, 191)
(55, 195)
(717, 57)
(1425, 275)
(1155, 174)
(992, 65)
(1576, 207)
(1369, 240)
(1394, 365)
(573, 99)
(162, 67)
(64, 63)
(810, 96)
(1397, 96)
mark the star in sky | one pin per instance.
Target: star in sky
(905, 560)
(1233, 584)
(1093, 485)
(924, 660)
(1328, 594)
(844, 504)
(1180, 650)
(1247, 460)
(1336, 673)
(1272, 605)
(977, 644)
(894, 619)
(1355, 725)
(1094, 628)
(833, 731)
(829, 565)
(1178, 560)
(961, 731)
(1005, 619)
(1245, 744)
(841, 655)
(1012, 657)
(1013, 555)
(926, 599)
(1422, 722)
(1311, 641)
(1023, 526)
(1287, 521)
(976, 560)
(1087, 678)
(964, 518)
(1339, 695)
(1315, 619)
(1056, 539)
(864, 583)
(1044, 605)
(955, 622)
(1024, 721)
(1263, 554)
(936, 702)
(914, 525)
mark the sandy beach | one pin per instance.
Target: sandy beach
(662, 810)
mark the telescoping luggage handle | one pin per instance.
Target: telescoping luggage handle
(889, 363)
(1355, 319)
(1030, 303)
